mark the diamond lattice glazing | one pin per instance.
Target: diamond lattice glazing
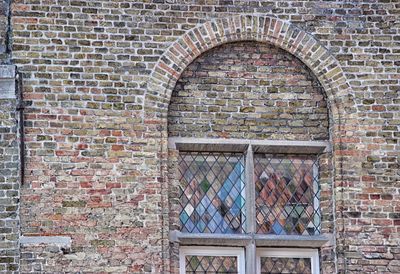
(287, 195)
(272, 265)
(211, 264)
(212, 194)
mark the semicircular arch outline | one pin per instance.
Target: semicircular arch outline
(265, 29)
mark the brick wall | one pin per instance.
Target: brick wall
(96, 168)
(9, 172)
(248, 90)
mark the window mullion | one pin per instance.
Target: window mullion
(250, 211)
(251, 257)
(250, 192)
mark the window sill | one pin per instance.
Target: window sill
(209, 239)
(292, 240)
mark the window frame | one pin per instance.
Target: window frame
(212, 251)
(289, 253)
(251, 241)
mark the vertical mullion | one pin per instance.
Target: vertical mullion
(250, 211)
(250, 192)
(251, 258)
(317, 195)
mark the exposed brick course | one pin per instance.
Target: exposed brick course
(98, 79)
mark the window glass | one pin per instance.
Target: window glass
(273, 265)
(211, 264)
(287, 194)
(287, 260)
(212, 192)
(284, 201)
(211, 260)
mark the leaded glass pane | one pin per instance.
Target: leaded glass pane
(287, 194)
(272, 265)
(212, 194)
(210, 264)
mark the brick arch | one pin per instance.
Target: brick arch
(247, 28)
(265, 29)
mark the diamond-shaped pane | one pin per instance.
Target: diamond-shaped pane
(210, 264)
(212, 192)
(271, 265)
(287, 194)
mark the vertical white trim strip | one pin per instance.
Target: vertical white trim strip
(182, 266)
(241, 262)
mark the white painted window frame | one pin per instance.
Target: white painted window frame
(289, 253)
(212, 251)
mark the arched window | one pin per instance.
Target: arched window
(248, 137)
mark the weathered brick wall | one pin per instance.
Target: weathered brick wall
(248, 90)
(9, 184)
(93, 154)
(9, 173)
(90, 171)
(4, 31)
(31, 259)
